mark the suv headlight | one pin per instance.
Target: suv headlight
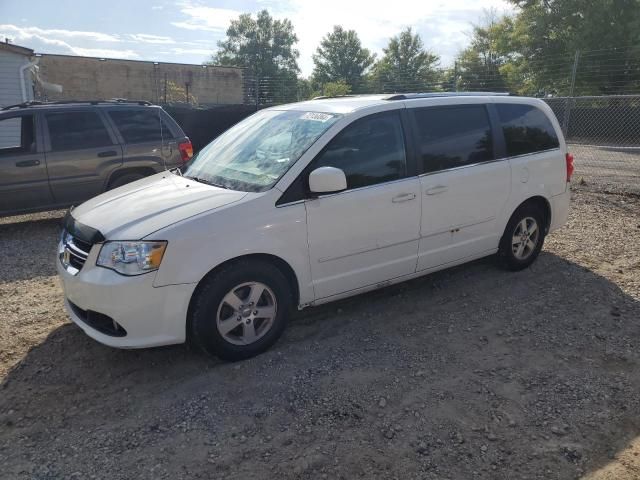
(131, 258)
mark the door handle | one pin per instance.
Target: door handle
(436, 190)
(403, 197)
(28, 163)
(108, 153)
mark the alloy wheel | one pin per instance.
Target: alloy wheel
(525, 238)
(246, 313)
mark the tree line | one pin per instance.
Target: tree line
(547, 47)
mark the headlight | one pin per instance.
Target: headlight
(131, 258)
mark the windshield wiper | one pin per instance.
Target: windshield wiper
(207, 182)
(176, 171)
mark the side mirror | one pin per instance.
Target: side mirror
(327, 180)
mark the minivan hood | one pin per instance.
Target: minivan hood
(134, 211)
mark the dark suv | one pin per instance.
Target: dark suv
(54, 155)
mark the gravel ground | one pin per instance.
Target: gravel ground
(470, 373)
(609, 168)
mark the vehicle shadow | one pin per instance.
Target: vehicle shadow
(36, 253)
(471, 372)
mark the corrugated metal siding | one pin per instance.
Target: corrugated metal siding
(10, 91)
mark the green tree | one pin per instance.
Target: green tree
(305, 89)
(334, 89)
(266, 48)
(406, 65)
(478, 67)
(547, 33)
(174, 93)
(532, 52)
(341, 57)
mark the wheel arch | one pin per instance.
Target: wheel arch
(274, 260)
(543, 204)
(144, 171)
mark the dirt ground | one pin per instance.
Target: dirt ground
(471, 373)
(611, 168)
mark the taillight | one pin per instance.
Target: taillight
(570, 167)
(186, 150)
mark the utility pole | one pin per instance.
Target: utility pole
(165, 88)
(257, 90)
(455, 75)
(576, 59)
(570, 100)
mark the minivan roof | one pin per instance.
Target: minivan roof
(350, 103)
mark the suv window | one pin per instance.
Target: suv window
(369, 151)
(137, 126)
(76, 130)
(526, 129)
(450, 137)
(17, 135)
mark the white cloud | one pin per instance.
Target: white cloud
(192, 51)
(105, 53)
(39, 38)
(21, 33)
(443, 25)
(146, 38)
(200, 17)
(194, 26)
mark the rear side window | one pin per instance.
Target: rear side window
(76, 130)
(526, 129)
(369, 151)
(450, 137)
(17, 135)
(139, 126)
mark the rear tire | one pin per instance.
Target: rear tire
(241, 310)
(523, 237)
(124, 179)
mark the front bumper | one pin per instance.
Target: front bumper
(151, 316)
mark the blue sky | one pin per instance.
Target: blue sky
(187, 31)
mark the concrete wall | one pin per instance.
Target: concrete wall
(84, 78)
(10, 90)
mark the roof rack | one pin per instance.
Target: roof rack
(113, 101)
(324, 97)
(409, 96)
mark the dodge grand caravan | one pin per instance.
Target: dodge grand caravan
(311, 202)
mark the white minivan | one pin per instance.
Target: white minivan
(311, 202)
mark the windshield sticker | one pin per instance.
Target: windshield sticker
(316, 116)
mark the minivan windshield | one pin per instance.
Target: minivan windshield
(255, 153)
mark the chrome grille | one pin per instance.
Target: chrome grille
(73, 252)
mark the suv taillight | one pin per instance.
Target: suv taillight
(570, 167)
(186, 150)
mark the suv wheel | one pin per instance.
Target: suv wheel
(523, 238)
(241, 310)
(124, 179)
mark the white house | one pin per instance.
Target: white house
(16, 82)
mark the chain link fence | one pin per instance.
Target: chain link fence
(603, 133)
(594, 94)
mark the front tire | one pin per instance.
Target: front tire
(241, 310)
(523, 238)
